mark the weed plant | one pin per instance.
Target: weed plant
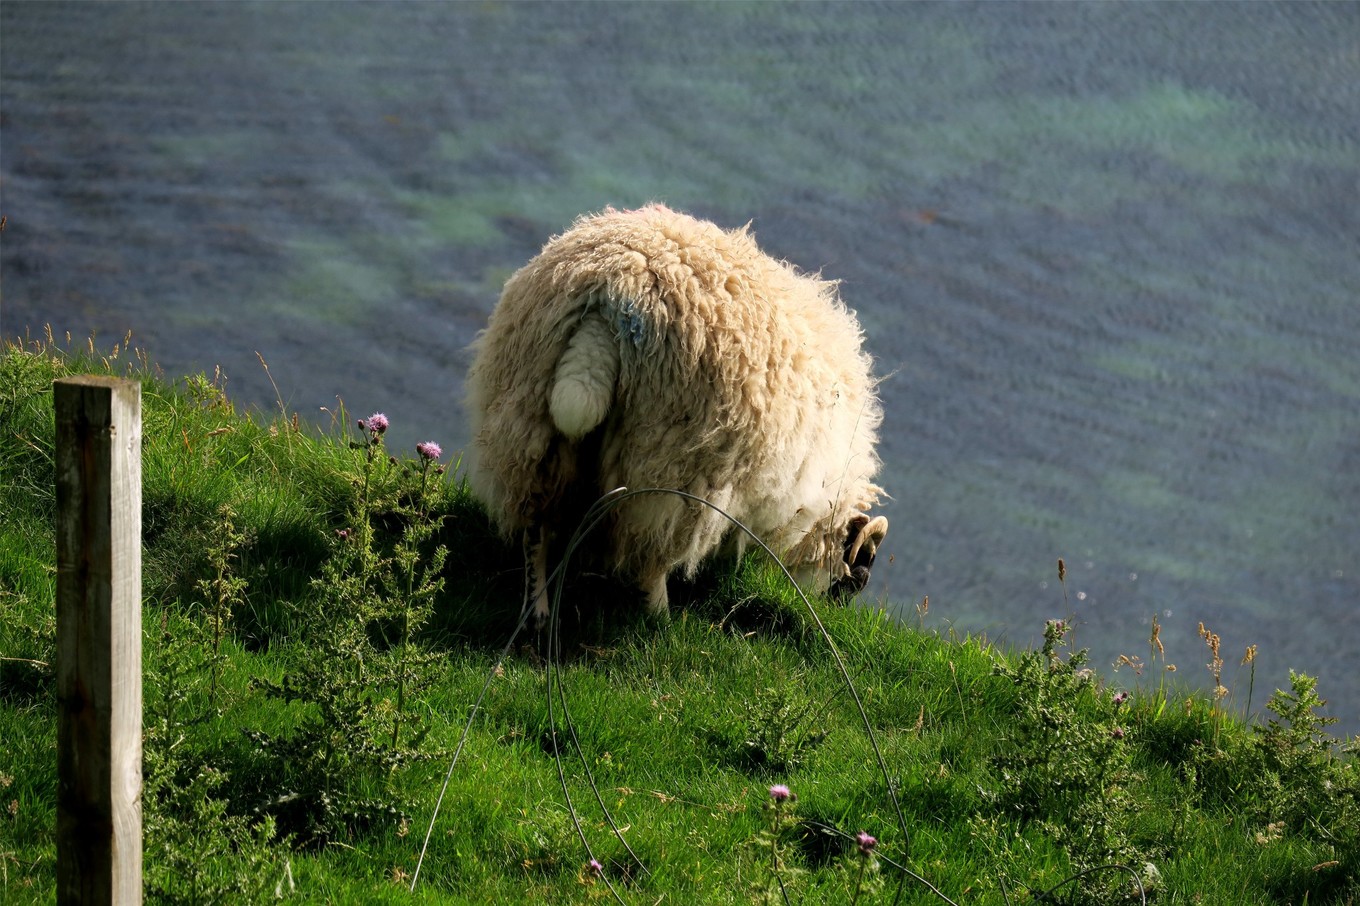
(367, 605)
(320, 617)
(1065, 763)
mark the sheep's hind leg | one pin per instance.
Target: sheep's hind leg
(536, 563)
(658, 599)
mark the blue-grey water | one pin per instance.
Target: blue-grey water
(1108, 253)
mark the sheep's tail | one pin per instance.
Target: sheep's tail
(583, 385)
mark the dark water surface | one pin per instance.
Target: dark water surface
(1109, 253)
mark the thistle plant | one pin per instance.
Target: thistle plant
(1290, 776)
(373, 596)
(776, 738)
(188, 647)
(198, 852)
(201, 853)
(1300, 768)
(422, 581)
(224, 590)
(1066, 763)
(781, 875)
(867, 878)
(372, 470)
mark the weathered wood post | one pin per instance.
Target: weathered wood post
(99, 641)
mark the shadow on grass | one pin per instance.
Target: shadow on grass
(484, 592)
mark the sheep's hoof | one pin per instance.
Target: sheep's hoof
(861, 547)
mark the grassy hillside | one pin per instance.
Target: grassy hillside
(323, 615)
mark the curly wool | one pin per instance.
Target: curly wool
(649, 349)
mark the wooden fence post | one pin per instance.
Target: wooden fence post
(99, 641)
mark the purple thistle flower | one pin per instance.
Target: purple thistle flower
(779, 792)
(596, 868)
(377, 423)
(866, 843)
(1120, 698)
(429, 450)
(1117, 733)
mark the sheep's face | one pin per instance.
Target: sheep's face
(862, 539)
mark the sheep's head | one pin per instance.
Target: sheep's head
(861, 547)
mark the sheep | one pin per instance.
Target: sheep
(647, 348)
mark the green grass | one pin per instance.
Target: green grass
(1013, 771)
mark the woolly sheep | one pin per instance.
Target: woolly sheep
(649, 349)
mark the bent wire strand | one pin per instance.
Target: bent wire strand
(588, 523)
